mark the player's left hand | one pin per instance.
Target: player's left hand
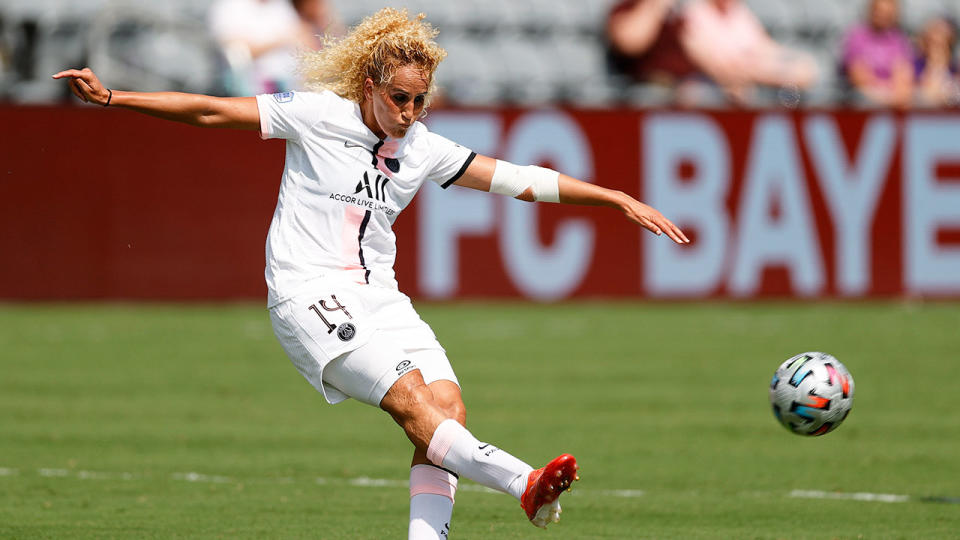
(651, 219)
(85, 85)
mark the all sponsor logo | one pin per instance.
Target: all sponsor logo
(369, 193)
(375, 188)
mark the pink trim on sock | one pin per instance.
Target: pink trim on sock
(443, 438)
(431, 480)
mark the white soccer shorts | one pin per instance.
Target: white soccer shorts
(352, 340)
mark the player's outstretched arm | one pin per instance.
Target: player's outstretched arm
(193, 109)
(539, 184)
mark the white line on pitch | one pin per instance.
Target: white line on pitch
(626, 493)
(204, 478)
(872, 497)
(362, 481)
(85, 475)
(365, 481)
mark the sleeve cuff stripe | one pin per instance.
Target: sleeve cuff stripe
(462, 170)
(265, 127)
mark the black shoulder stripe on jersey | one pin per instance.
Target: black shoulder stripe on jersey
(376, 148)
(462, 170)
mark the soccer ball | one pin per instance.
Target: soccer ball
(811, 393)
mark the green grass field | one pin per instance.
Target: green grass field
(164, 421)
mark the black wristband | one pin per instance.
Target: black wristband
(107, 104)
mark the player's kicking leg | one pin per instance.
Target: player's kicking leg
(450, 445)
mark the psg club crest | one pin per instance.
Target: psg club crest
(346, 331)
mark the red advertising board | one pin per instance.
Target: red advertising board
(110, 204)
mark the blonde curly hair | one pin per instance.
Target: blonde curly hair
(375, 48)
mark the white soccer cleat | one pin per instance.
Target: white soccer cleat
(547, 514)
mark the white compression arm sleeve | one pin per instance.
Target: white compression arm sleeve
(512, 180)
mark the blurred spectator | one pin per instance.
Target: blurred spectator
(6, 61)
(259, 39)
(935, 67)
(727, 41)
(877, 57)
(644, 40)
(319, 19)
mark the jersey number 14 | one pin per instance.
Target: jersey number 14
(325, 308)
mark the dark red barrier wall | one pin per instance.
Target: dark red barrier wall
(110, 204)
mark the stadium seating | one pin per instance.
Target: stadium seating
(529, 52)
(146, 47)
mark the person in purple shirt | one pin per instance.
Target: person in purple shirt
(878, 58)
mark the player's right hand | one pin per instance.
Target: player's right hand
(652, 220)
(85, 85)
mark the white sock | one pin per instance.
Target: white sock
(455, 448)
(431, 502)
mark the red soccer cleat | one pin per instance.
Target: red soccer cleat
(544, 486)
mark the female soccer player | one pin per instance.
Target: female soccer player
(355, 157)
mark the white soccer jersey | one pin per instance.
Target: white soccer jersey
(342, 189)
